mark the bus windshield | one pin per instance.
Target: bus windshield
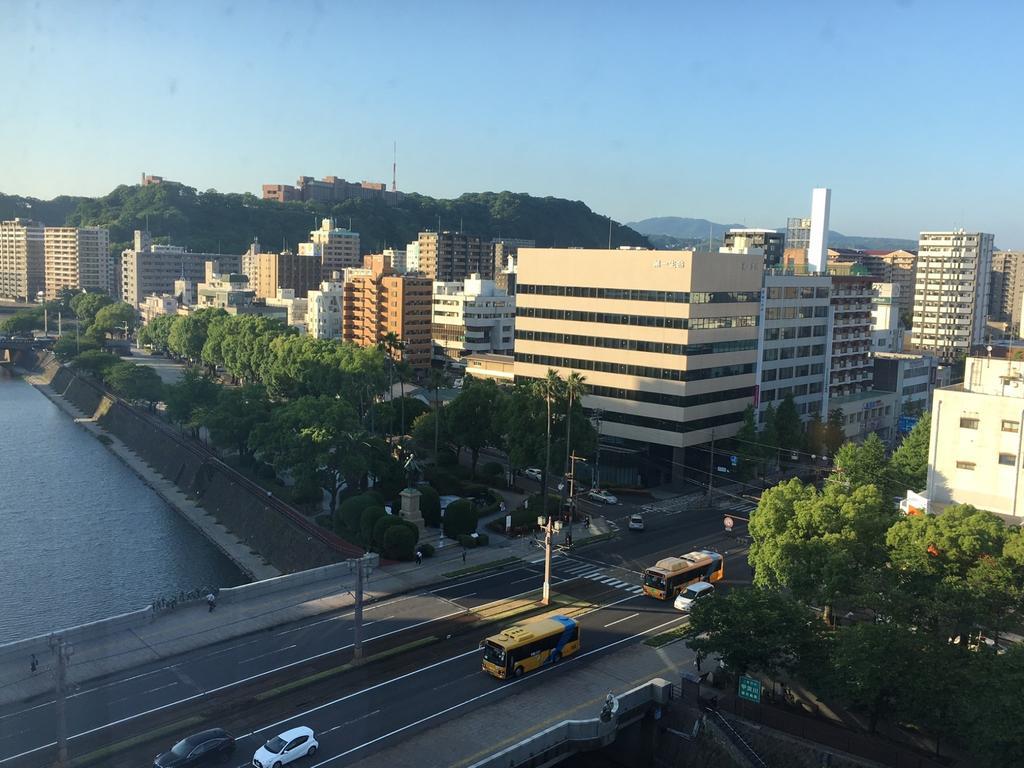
(494, 654)
(654, 580)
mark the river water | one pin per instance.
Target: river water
(81, 536)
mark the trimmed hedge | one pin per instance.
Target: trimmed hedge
(426, 549)
(460, 517)
(445, 482)
(430, 506)
(350, 511)
(368, 521)
(468, 541)
(400, 542)
(380, 529)
(492, 469)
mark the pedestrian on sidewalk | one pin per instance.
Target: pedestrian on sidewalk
(419, 557)
(463, 554)
(211, 601)
(34, 664)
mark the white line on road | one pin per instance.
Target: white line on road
(619, 621)
(151, 690)
(531, 577)
(269, 653)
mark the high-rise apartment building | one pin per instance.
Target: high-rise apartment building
(952, 292)
(886, 331)
(667, 340)
(471, 317)
(1007, 289)
(22, 262)
(78, 258)
(898, 267)
(505, 248)
(335, 248)
(323, 310)
(770, 242)
(150, 269)
(377, 302)
(452, 256)
(798, 232)
(271, 272)
(794, 331)
(976, 451)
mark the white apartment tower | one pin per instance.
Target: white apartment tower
(323, 310)
(335, 247)
(952, 291)
(22, 271)
(78, 258)
(471, 316)
(817, 246)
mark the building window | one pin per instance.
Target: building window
(968, 465)
(1011, 426)
(967, 422)
(1008, 459)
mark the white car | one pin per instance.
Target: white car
(534, 474)
(636, 522)
(286, 748)
(696, 591)
(599, 494)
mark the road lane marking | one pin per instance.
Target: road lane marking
(460, 597)
(151, 690)
(473, 581)
(361, 717)
(619, 621)
(220, 688)
(376, 621)
(531, 577)
(268, 653)
(504, 687)
(347, 614)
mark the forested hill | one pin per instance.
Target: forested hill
(226, 222)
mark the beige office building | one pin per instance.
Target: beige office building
(335, 249)
(77, 258)
(1007, 289)
(22, 271)
(667, 340)
(976, 450)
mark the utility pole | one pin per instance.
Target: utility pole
(549, 525)
(63, 652)
(357, 633)
(58, 324)
(573, 458)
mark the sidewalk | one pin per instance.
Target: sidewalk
(484, 728)
(191, 626)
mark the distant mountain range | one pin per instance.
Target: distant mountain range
(680, 232)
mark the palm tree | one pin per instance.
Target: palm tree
(438, 379)
(391, 344)
(575, 388)
(548, 388)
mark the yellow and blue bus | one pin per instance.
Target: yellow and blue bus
(671, 575)
(524, 647)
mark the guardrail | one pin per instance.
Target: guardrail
(737, 740)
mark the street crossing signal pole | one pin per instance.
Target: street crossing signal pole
(63, 652)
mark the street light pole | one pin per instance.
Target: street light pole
(549, 524)
(573, 458)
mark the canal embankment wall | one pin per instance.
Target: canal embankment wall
(279, 534)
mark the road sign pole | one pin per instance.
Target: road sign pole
(546, 598)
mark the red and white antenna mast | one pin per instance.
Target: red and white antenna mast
(394, 168)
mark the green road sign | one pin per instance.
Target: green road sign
(750, 689)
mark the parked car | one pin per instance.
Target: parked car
(206, 748)
(696, 591)
(599, 494)
(286, 748)
(534, 474)
(636, 522)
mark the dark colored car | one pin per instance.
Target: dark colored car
(207, 748)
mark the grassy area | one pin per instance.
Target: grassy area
(667, 638)
(595, 539)
(482, 567)
(120, 746)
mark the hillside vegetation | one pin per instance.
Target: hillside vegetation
(215, 222)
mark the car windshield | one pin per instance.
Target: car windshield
(494, 654)
(183, 747)
(654, 580)
(692, 593)
(275, 745)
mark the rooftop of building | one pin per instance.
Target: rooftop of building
(857, 398)
(901, 356)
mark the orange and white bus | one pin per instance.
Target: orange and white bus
(671, 575)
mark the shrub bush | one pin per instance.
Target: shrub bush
(467, 541)
(367, 521)
(380, 528)
(537, 501)
(443, 481)
(306, 491)
(430, 506)
(492, 469)
(474, 490)
(265, 471)
(350, 512)
(459, 517)
(482, 539)
(324, 521)
(427, 549)
(399, 542)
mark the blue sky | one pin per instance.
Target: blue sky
(910, 111)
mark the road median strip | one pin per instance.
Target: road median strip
(596, 539)
(667, 638)
(495, 564)
(119, 746)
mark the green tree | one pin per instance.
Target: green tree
(471, 419)
(367, 520)
(753, 630)
(769, 439)
(95, 362)
(231, 421)
(992, 713)
(436, 380)
(86, 305)
(816, 436)
(67, 347)
(909, 463)
(156, 332)
(862, 464)
(135, 382)
(349, 514)
(23, 322)
(575, 389)
(192, 395)
(549, 389)
(747, 458)
(400, 542)
(460, 517)
(116, 318)
(835, 431)
(523, 418)
(789, 428)
(819, 545)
